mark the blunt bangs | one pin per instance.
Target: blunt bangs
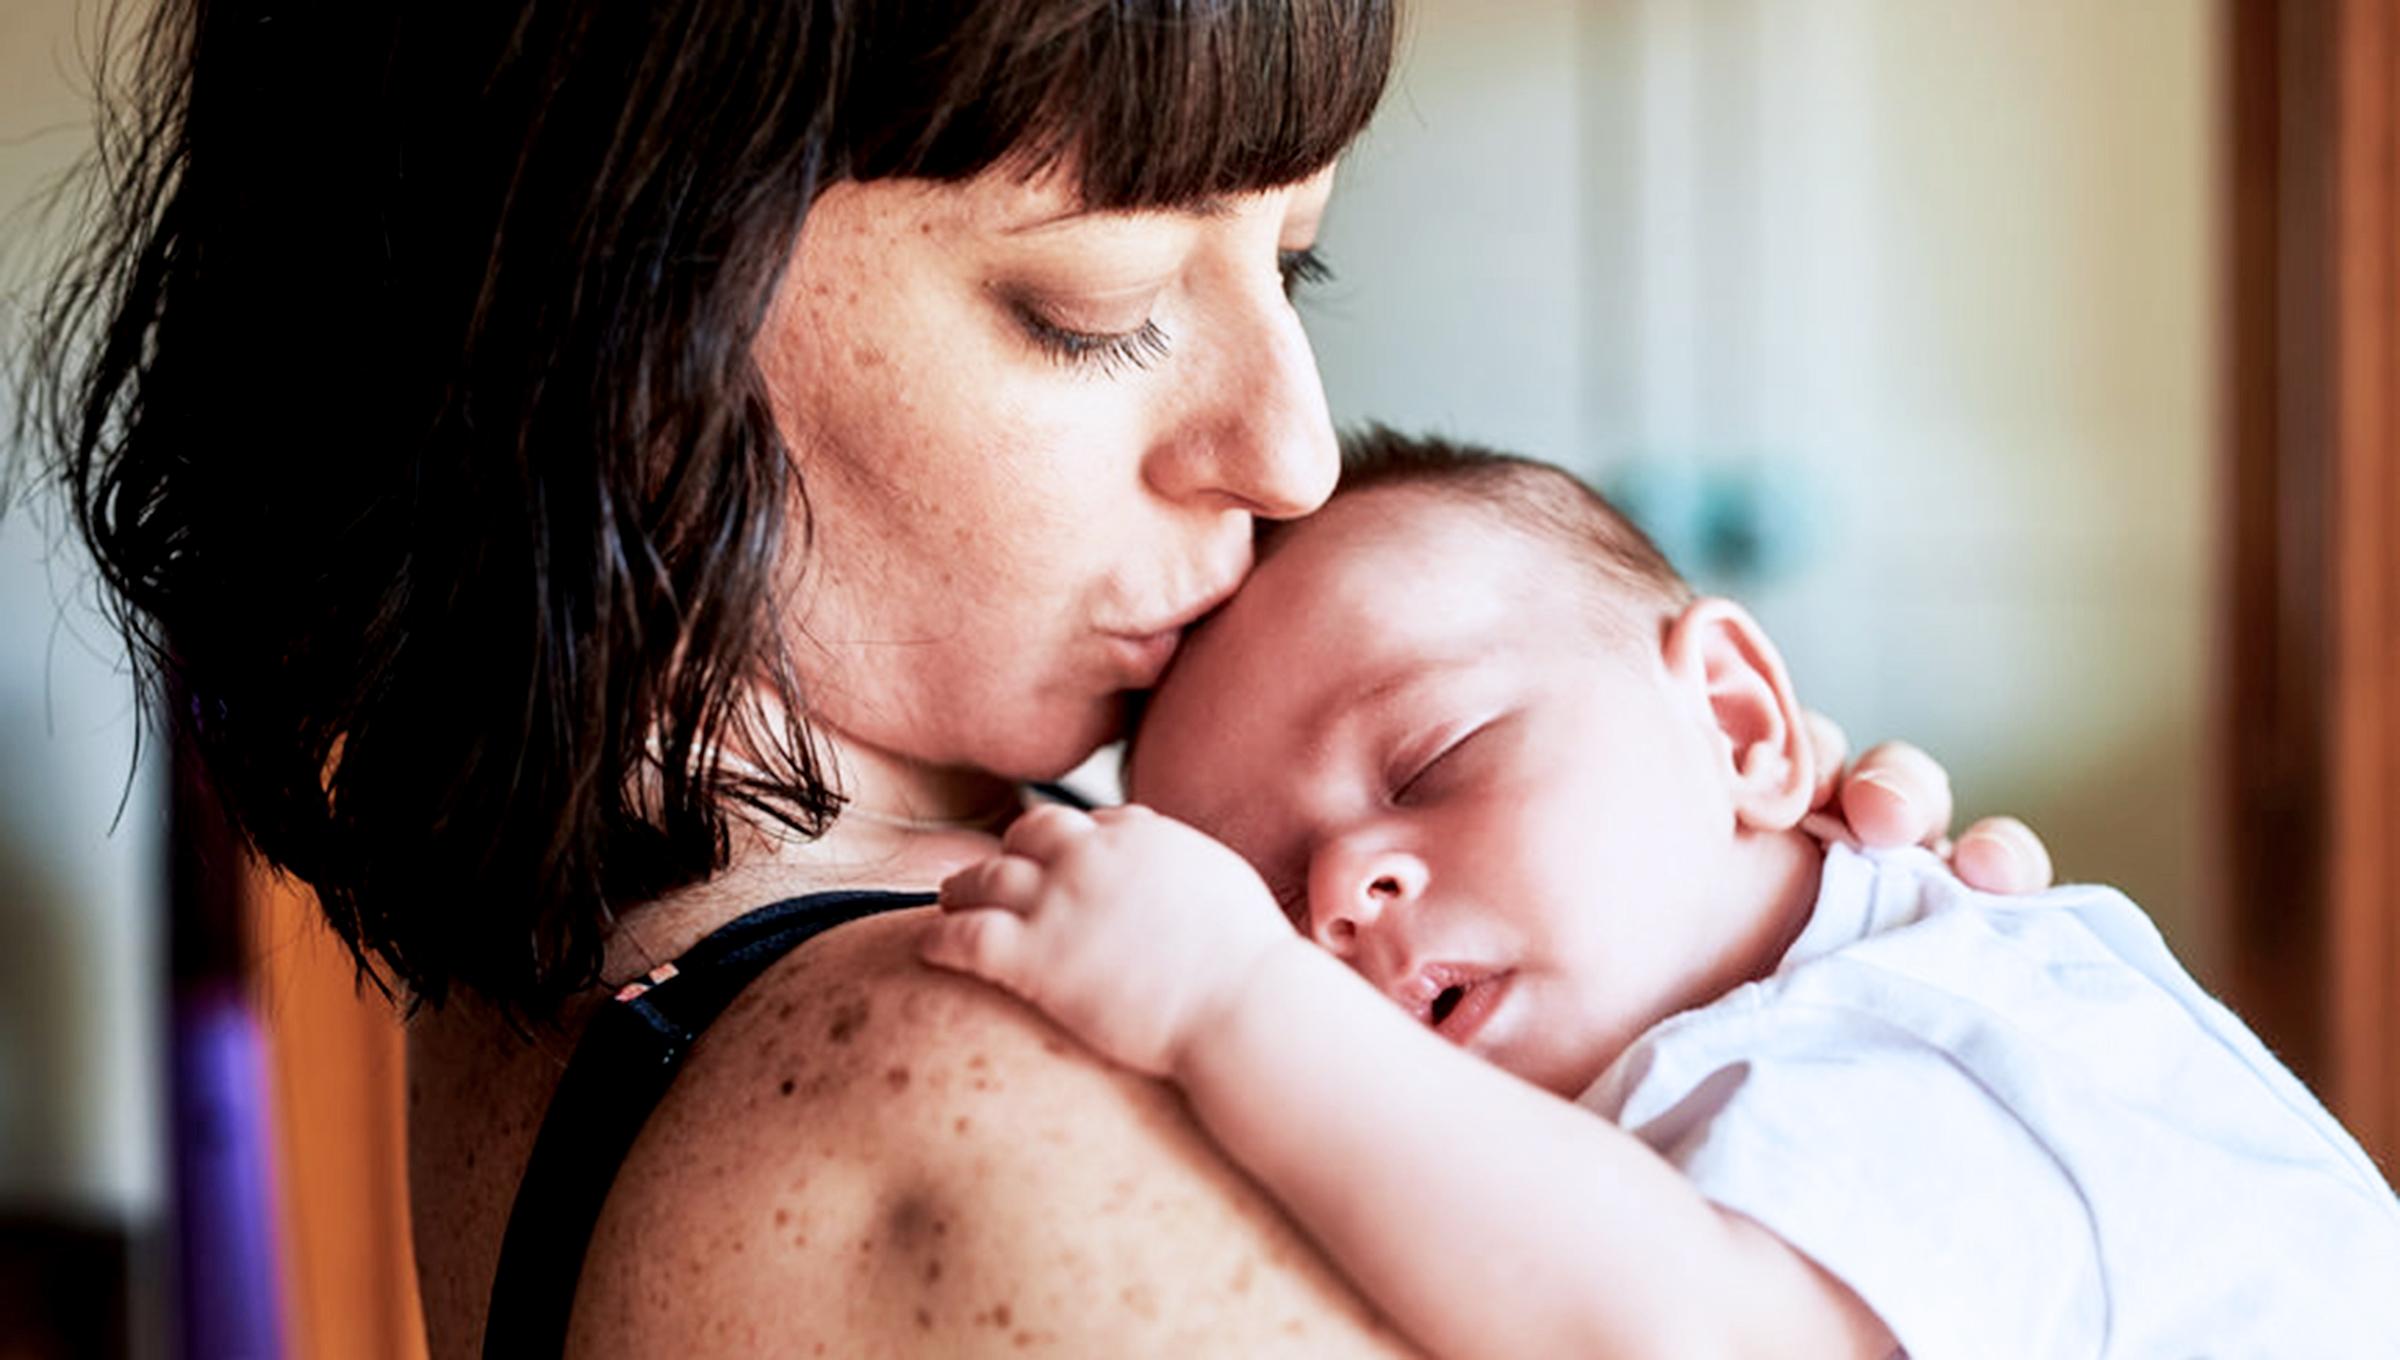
(1148, 103)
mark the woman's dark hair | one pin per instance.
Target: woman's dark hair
(403, 387)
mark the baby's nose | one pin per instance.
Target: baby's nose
(1352, 891)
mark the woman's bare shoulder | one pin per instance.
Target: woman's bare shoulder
(867, 1154)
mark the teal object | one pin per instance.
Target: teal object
(1726, 524)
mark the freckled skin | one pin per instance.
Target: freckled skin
(1127, 502)
(884, 1220)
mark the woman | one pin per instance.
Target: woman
(585, 471)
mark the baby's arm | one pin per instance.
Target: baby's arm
(1484, 1215)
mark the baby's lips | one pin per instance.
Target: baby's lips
(1420, 987)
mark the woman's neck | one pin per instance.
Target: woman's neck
(902, 825)
(885, 790)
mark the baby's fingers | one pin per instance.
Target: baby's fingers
(987, 943)
(1044, 833)
(1010, 881)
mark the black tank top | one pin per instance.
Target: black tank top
(623, 1065)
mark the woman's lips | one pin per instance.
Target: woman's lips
(1144, 651)
(1143, 658)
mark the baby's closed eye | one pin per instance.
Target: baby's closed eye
(1291, 898)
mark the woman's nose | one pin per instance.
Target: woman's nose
(1255, 433)
(1350, 891)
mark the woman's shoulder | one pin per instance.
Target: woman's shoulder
(866, 1152)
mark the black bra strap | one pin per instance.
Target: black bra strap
(623, 1065)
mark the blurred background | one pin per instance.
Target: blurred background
(2012, 359)
(1895, 319)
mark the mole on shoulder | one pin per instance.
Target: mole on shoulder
(913, 1221)
(849, 1017)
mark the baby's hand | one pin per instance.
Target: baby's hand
(1130, 929)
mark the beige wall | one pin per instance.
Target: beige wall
(1939, 271)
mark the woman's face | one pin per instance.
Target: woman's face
(1032, 440)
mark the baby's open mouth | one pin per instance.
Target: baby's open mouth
(1453, 999)
(1447, 1001)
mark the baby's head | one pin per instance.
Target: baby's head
(1489, 748)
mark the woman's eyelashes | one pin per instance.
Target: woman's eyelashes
(1140, 347)
(1107, 352)
(1302, 268)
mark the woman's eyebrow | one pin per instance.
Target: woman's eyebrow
(1205, 209)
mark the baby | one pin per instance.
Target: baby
(1597, 1051)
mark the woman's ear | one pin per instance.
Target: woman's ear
(1716, 646)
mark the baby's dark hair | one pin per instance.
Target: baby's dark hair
(1539, 498)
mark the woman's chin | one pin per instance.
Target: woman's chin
(1055, 740)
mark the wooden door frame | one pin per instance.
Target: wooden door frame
(2311, 692)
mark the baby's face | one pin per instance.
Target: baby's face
(1453, 779)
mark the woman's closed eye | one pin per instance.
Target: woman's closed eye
(1138, 347)
(1108, 352)
(1302, 268)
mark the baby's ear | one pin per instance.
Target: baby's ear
(1716, 646)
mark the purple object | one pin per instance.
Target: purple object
(228, 1275)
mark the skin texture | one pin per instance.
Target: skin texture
(1005, 540)
(1461, 785)
(869, 1158)
(993, 521)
